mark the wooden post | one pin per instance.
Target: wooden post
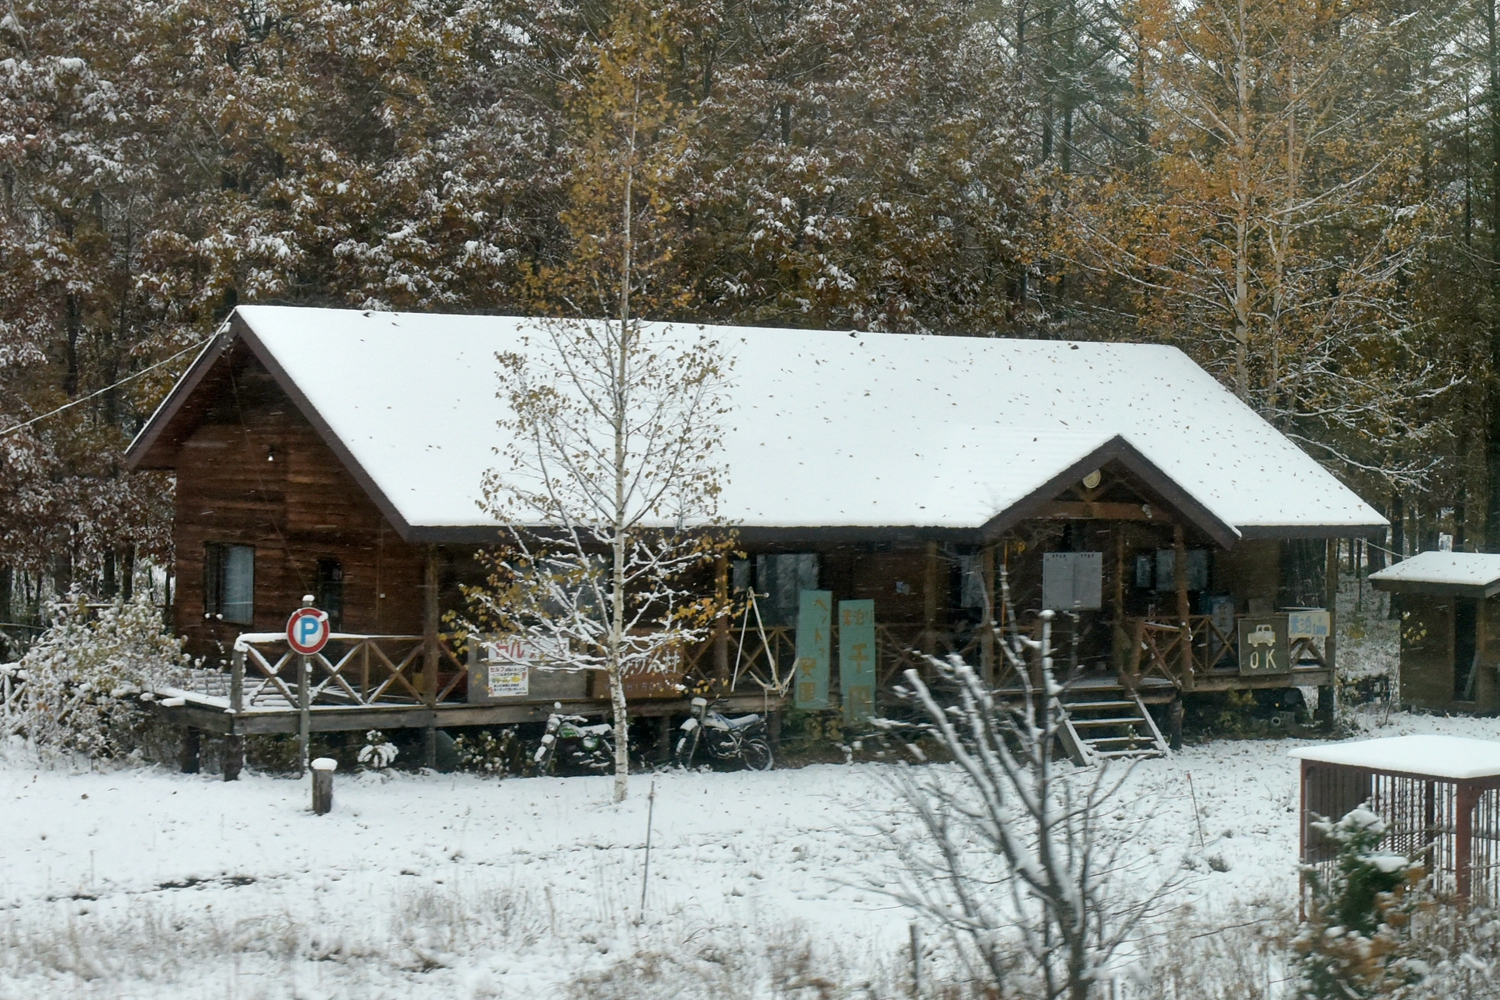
(1179, 571)
(1119, 639)
(664, 738)
(1330, 644)
(1466, 797)
(430, 656)
(234, 756)
(304, 713)
(987, 624)
(322, 785)
(930, 600)
(237, 681)
(188, 754)
(721, 624)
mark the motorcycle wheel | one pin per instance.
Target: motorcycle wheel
(756, 753)
(685, 750)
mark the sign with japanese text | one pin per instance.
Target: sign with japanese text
(814, 629)
(857, 660)
(1307, 624)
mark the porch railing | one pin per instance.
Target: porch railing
(353, 671)
(1182, 653)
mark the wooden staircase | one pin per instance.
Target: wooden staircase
(1107, 722)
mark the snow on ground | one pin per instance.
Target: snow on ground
(145, 883)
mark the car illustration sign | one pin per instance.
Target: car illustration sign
(307, 630)
(1263, 646)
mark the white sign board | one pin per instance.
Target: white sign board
(1073, 580)
(509, 681)
(1307, 624)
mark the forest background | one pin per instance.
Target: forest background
(1304, 195)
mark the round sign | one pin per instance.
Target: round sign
(307, 630)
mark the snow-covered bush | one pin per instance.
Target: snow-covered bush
(84, 675)
(1358, 917)
(487, 753)
(378, 752)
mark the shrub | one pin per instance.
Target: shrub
(83, 675)
(1358, 917)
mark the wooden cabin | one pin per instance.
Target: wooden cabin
(1450, 629)
(339, 454)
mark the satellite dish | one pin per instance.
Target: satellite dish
(1091, 480)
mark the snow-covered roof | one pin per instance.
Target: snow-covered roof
(1456, 757)
(826, 428)
(1475, 574)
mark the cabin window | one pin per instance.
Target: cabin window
(781, 579)
(330, 591)
(1465, 647)
(1166, 569)
(229, 583)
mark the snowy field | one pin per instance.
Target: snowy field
(144, 883)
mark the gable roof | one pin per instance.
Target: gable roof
(826, 429)
(1463, 574)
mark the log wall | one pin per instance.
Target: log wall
(255, 472)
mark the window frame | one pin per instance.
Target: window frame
(218, 562)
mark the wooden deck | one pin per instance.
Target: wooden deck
(411, 682)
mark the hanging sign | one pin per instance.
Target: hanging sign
(814, 622)
(857, 660)
(307, 630)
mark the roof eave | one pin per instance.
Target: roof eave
(1121, 450)
(1436, 589)
(137, 455)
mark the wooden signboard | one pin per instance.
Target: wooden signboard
(857, 660)
(1263, 646)
(814, 625)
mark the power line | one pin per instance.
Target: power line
(128, 378)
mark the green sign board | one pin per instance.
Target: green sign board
(814, 621)
(857, 659)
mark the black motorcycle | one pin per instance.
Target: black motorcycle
(571, 746)
(713, 737)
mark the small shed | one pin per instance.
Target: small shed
(1450, 629)
(1440, 796)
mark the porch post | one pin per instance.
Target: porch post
(987, 624)
(430, 656)
(1179, 570)
(721, 624)
(1326, 712)
(1119, 640)
(929, 600)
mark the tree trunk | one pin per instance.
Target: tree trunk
(1492, 394)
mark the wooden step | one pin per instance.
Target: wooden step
(1143, 739)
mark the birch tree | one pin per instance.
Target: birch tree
(610, 489)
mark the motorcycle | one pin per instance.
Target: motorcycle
(571, 745)
(721, 738)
